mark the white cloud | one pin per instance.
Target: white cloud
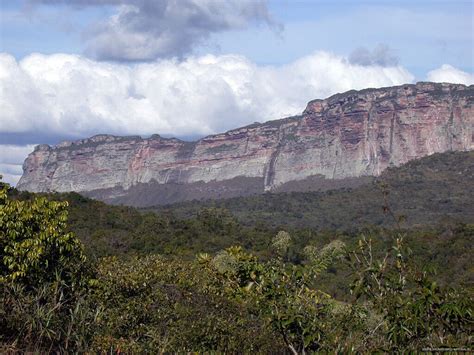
(10, 179)
(12, 154)
(448, 74)
(11, 160)
(69, 95)
(14, 169)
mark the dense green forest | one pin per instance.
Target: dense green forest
(386, 266)
(436, 188)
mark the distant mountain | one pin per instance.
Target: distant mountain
(336, 142)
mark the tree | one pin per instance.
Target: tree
(34, 244)
(43, 278)
(415, 311)
(282, 293)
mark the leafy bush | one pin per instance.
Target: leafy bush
(155, 303)
(42, 278)
(415, 312)
(34, 245)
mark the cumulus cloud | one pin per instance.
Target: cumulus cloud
(381, 55)
(70, 95)
(148, 29)
(448, 74)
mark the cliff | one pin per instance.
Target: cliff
(349, 135)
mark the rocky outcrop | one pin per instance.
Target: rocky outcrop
(349, 135)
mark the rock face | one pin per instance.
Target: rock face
(349, 135)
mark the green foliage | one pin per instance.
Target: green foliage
(280, 291)
(48, 317)
(34, 245)
(42, 277)
(116, 230)
(427, 191)
(281, 243)
(415, 310)
(155, 303)
(320, 260)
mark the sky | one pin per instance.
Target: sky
(70, 69)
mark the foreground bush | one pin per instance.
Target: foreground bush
(415, 312)
(155, 303)
(44, 304)
(34, 244)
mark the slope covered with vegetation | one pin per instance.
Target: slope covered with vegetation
(79, 275)
(432, 196)
(437, 188)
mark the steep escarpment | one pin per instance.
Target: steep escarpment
(347, 136)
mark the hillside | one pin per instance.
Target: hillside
(434, 189)
(434, 193)
(371, 291)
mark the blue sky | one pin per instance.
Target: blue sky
(188, 68)
(423, 34)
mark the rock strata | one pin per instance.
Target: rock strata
(348, 135)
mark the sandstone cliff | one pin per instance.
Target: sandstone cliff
(349, 135)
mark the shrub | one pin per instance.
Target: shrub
(44, 305)
(34, 246)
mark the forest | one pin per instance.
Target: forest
(382, 267)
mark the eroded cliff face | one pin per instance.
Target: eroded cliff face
(357, 133)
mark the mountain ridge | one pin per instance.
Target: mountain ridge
(346, 136)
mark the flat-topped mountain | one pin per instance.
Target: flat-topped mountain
(334, 141)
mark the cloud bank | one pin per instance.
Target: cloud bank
(141, 30)
(448, 74)
(69, 95)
